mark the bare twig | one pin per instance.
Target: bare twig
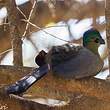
(45, 31)
(27, 25)
(28, 38)
(21, 12)
(5, 51)
(105, 68)
(69, 31)
(3, 54)
(4, 24)
(54, 26)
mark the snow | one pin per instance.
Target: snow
(28, 55)
(83, 1)
(44, 41)
(19, 2)
(101, 20)
(8, 60)
(79, 28)
(103, 75)
(3, 14)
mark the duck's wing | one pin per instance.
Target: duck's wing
(74, 62)
(60, 54)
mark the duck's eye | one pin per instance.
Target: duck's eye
(96, 40)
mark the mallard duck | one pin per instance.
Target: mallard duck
(71, 61)
(66, 61)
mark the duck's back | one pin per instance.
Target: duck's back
(69, 61)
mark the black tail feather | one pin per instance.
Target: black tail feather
(23, 84)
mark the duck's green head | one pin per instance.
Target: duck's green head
(92, 40)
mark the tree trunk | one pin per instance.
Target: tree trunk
(107, 15)
(14, 33)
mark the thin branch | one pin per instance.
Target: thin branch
(5, 51)
(4, 24)
(69, 31)
(28, 38)
(21, 12)
(55, 26)
(104, 69)
(27, 25)
(37, 27)
(2, 56)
